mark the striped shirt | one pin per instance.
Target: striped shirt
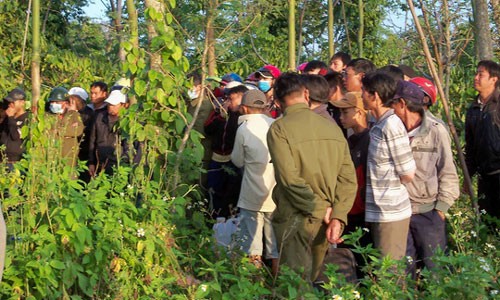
(389, 157)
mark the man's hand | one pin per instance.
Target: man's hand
(327, 216)
(334, 231)
(10, 111)
(92, 170)
(441, 214)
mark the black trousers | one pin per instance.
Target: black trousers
(489, 194)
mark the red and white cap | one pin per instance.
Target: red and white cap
(427, 87)
(269, 71)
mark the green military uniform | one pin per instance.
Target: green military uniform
(68, 128)
(314, 171)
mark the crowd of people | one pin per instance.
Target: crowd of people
(303, 157)
(84, 131)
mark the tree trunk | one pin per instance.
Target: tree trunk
(291, 35)
(495, 4)
(331, 20)
(346, 26)
(35, 62)
(361, 10)
(134, 36)
(156, 55)
(133, 23)
(301, 22)
(210, 35)
(484, 47)
(119, 28)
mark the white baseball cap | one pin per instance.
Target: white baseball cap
(78, 91)
(116, 97)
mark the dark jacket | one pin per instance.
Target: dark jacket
(482, 136)
(222, 130)
(107, 144)
(87, 115)
(358, 146)
(10, 136)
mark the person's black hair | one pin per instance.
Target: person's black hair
(195, 76)
(315, 64)
(362, 65)
(101, 85)
(319, 90)
(492, 68)
(381, 83)
(287, 84)
(395, 72)
(344, 57)
(334, 80)
(239, 89)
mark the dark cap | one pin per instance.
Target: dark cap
(14, 95)
(409, 91)
(254, 98)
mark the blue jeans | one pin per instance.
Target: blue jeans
(253, 224)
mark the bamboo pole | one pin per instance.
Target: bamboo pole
(432, 68)
(331, 44)
(35, 63)
(291, 35)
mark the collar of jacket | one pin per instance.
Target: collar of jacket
(244, 118)
(425, 125)
(296, 107)
(323, 108)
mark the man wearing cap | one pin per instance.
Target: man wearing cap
(319, 90)
(221, 126)
(315, 179)
(435, 186)
(255, 202)
(353, 116)
(430, 96)
(78, 102)
(482, 136)
(10, 128)
(106, 141)
(390, 165)
(68, 126)
(266, 76)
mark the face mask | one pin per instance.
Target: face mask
(264, 86)
(193, 94)
(56, 108)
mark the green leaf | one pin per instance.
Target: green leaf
(139, 87)
(81, 234)
(127, 45)
(169, 18)
(172, 100)
(177, 53)
(179, 125)
(56, 264)
(165, 115)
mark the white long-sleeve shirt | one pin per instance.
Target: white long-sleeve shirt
(250, 151)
